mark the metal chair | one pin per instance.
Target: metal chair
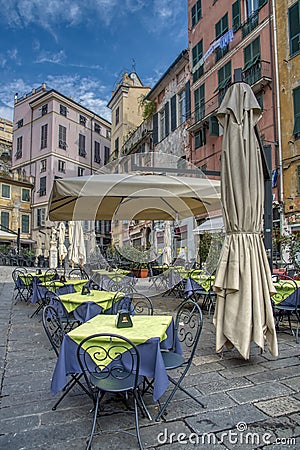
(110, 364)
(135, 302)
(55, 333)
(202, 291)
(67, 320)
(188, 327)
(23, 284)
(78, 274)
(50, 274)
(286, 303)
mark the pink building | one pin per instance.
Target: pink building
(56, 137)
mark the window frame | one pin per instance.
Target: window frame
(97, 155)
(63, 110)
(62, 137)
(61, 166)
(19, 147)
(44, 136)
(44, 109)
(295, 9)
(7, 220)
(43, 165)
(25, 198)
(25, 230)
(296, 108)
(196, 12)
(43, 186)
(40, 217)
(4, 185)
(81, 145)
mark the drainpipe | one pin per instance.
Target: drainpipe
(278, 118)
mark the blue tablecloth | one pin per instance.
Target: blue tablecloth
(151, 363)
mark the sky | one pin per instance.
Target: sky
(82, 47)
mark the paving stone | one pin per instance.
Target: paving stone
(242, 371)
(282, 362)
(223, 385)
(279, 406)
(274, 375)
(259, 392)
(214, 421)
(293, 383)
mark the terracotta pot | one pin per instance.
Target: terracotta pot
(143, 273)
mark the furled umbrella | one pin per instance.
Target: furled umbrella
(62, 250)
(243, 281)
(47, 246)
(38, 249)
(167, 254)
(77, 252)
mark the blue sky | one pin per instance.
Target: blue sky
(81, 47)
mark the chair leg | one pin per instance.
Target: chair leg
(136, 414)
(177, 385)
(94, 421)
(68, 387)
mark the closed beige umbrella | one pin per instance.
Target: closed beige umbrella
(243, 280)
(77, 252)
(47, 246)
(62, 250)
(167, 255)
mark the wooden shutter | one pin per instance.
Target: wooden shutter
(187, 100)
(155, 129)
(167, 118)
(173, 113)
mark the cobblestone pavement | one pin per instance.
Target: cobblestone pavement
(249, 404)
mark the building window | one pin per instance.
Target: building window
(197, 53)
(254, 5)
(162, 124)
(97, 128)
(82, 120)
(117, 115)
(108, 134)
(214, 126)
(81, 145)
(42, 190)
(45, 109)
(40, 217)
(63, 110)
(44, 135)
(296, 100)
(80, 172)
(196, 12)
(224, 80)
(25, 195)
(298, 176)
(252, 62)
(294, 28)
(97, 158)
(200, 138)
(24, 223)
(20, 123)
(117, 147)
(260, 99)
(62, 137)
(199, 98)
(5, 191)
(236, 15)
(181, 107)
(5, 219)
(221, 27)
(106, 155)
(43, 165)
(61, 166)
(19, 147)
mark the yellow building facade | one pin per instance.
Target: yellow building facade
(288, 44)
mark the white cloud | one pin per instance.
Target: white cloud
(48, 57)
(89, 92)
(155, 14)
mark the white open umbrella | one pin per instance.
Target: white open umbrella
(132, 196)
(167, 254)
(62, 250)
(77, 252)
(243, 281)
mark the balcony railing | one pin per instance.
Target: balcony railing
(258, 74)
(250, 24)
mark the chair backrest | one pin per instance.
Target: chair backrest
(18, 272)
(135, 303)
(53, 327)
(287, 291)
(51, 274)
(78, 273)
(188, 327)
(104, 355)
(55, 302)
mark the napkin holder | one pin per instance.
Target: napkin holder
(38, 272)
(63, 279)
(85, 290)
(123, 319)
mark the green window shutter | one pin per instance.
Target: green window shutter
(173, 113)
(261, 3)
(294, 28)
(298, 176)
(236, 15)
(155, 128)
(167, 118)
(252, 53)
(213, 126)
(296, 99)
(188, 100)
